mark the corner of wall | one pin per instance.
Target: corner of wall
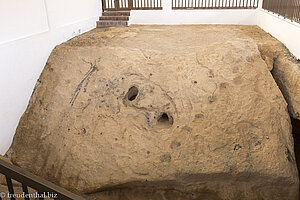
(283, 29)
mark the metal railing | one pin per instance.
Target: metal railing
(287, 8)
(214, 4)
(45, 189)
(114, 5)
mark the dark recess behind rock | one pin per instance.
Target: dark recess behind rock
(296, 132)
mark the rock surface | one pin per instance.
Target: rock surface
(176, 108)
(287, 76)
(285, 68)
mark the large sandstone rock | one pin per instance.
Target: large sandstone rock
(287, 76)
(138, 107)
(285, 68)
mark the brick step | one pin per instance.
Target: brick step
(116, 13)
(113, 18)
(109, 23)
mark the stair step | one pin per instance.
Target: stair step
(109, 23)
(118, 18)
(116, 13)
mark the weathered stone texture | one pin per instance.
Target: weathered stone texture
(188, 108)
(285, 68)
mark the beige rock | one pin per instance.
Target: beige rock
(287, 76)
(285, 68)
(183, 108)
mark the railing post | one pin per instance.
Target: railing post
(25, 190)
(103, 5)
(130, 4)
(117, 6)
(10, 187)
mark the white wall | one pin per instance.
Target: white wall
(19, 20)
(217, 16)
(29, 31)
(283, 29)
(196, 16)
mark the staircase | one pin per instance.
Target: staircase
(113, 18)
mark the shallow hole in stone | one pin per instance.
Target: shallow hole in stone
(132, 93)
(164, 121)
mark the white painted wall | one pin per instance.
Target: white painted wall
(29, 31)
(193, 16)
(17, 19)
(216, 16)
(285, 30)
